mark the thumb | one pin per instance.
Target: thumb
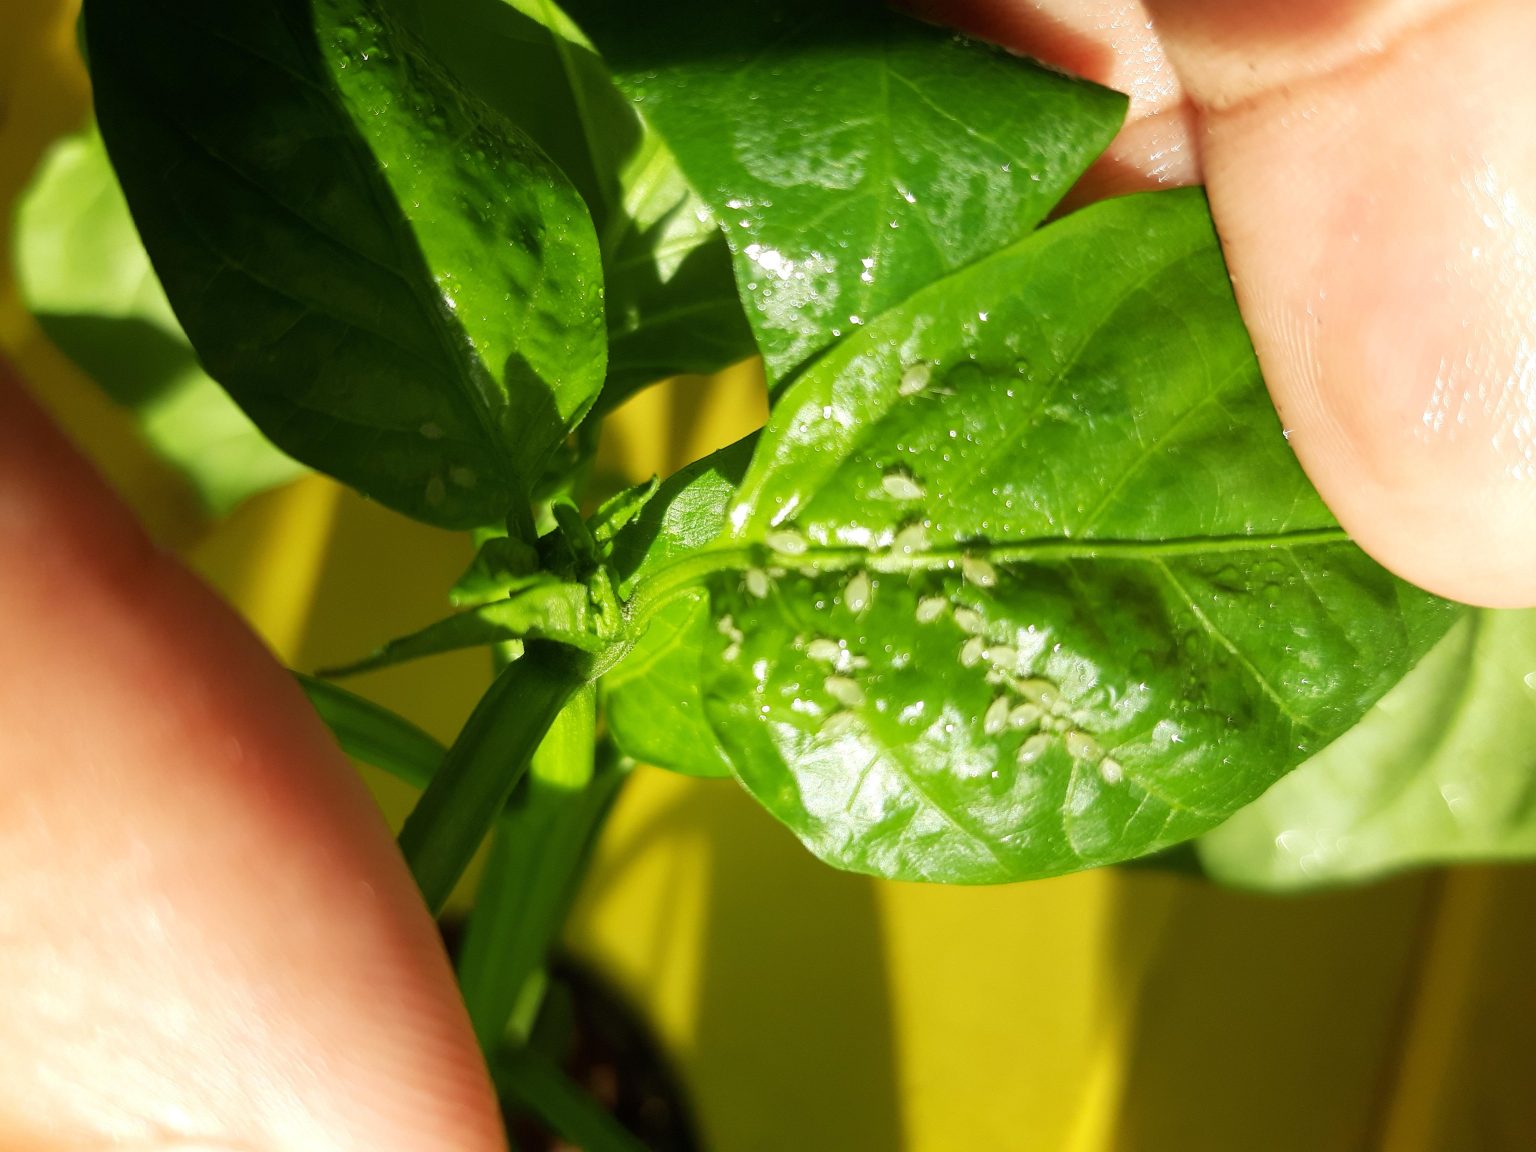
(207, 938)
(1371, 169)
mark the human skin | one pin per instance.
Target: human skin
(207, 938)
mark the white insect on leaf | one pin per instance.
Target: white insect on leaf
(978, 571)
(787, 541)
(996, 719)
(857, 592)
(930, 608)
(844, 690)
(915, 379)
(899, 484)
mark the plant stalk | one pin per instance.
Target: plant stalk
(485, 763)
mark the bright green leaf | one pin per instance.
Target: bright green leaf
(1024, 577)
(670, 299)
(1443, 769)
(392, 281)
(852, 154)
(85, 275)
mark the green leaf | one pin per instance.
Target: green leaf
(1442, 769)
(486, 762)
(390, 279)
(852, 154)
(619, 509)
(373, 734)
(1024, 578)
(548, 610)
(652, 699)
(85, 275)
(502, 566)
(532, 1080)
(670, 297)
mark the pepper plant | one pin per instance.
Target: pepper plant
(1020, 577)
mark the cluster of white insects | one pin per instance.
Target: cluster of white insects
(1024, 703)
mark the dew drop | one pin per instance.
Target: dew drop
(930, 608)
(787, 541)
(845, 691)
(1111, 770)
(970, 621)
(914, 379)
(431, 431)
(463, 477)
(824, 651)
(757, 582)
(971, 651)
(1034, 748)
(437, 491)
(731, 654)
(857, 592)
(996, 719)
(900, 485)
(978, 571)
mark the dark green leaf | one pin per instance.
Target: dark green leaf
(1024, 577)
(671, 302)
(85, 275)
(389, 278)
(652, 698)
(852, 154)
(485, 763)
(1443, 769)
(373, 734)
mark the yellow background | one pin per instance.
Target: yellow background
(810, 1010)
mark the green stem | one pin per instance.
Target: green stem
(534, 1082)
(538, 853)
(486, 762)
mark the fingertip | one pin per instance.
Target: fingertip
(1377, 216)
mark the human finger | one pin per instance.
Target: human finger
(207, 937)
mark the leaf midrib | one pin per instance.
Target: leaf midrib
(675, 577)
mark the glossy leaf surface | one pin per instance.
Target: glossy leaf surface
(1024, 577)
(852, 154)
(671, 302)
(652, 698)
(1443, 769)
(393, 282)
(84, 274)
